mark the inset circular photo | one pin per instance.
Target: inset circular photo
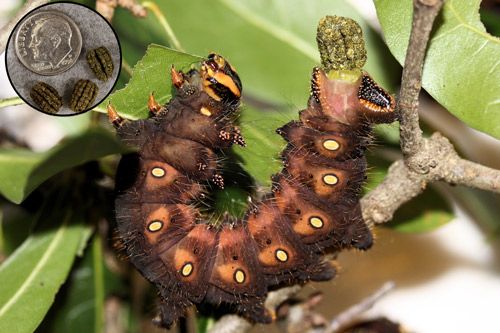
(63, 58)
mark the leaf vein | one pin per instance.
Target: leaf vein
(469, 26)
(53, 245)
(274, 30)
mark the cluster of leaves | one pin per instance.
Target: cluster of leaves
(62, 193)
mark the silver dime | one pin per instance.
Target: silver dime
(48, 42)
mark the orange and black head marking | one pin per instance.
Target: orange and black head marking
(220, 80)
(379, 105)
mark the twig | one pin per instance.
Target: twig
(424, 13)
(126, 67)
(236, 324)
(164, 23)
(10, 101)
(348, 316)
(299, 316)
(113, 316)
(277, 297)
(425, 159)
(133, 7)
(6, 29)
(230, 324)
(441, 163)
(107, 8)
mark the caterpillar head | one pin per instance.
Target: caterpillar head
(219, 79)
(216, 77)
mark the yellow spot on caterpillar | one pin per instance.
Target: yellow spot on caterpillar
(330, 179)
(331, 144)
(158, 172)
(239, 276)
(206, 112)
(281, 255)
(316, 222)
(187, 269)
(154, 226)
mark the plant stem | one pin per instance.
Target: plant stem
(10, 101)
(425, 159)
(424, 13)
(107, 8)
(353, 313)
(97, 261)
(126, 67)
(164, 23)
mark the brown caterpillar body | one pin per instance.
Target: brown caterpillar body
(313, 207)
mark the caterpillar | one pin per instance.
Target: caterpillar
(312, 208)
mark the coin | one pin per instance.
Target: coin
(48, 42)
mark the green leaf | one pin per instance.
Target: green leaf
(79, 306)
(32, 275)
(74, 125)
(462, 66)
(491, 20)
(151, 74)
(388, 132)
(271, 43)
(15, 226)
(282, 31)
(203, 324)
(232, 200)
(257, 127)
(260, 158)
(425, 213)
(482, 206)
(21, 170)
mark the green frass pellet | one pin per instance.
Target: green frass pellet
(83, 96)
(101, 63)
(46, 97)
(340, 43)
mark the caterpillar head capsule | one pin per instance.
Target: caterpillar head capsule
(220, 80)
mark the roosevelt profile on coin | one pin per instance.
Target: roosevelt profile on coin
(48, 43)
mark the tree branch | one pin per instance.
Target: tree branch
(107, 8)
(437, 161)
(424, 13)
(425, 159)
(236, 324)
(354, 312)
